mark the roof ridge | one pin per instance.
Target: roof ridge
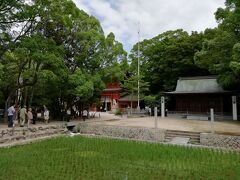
(198, 77)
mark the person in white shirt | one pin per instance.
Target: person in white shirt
(85, 114)
(23, 114)
(46, 115)
(11, 111)
(30, 116)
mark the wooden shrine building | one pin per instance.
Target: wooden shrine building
(196, 95)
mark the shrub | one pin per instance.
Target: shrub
(118, 112)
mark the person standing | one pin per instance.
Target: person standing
(46, 115)
(68, 115)
(11, 111)
(85, 114)
(16, 116)
(23, 114)
(30, 116)
(34, 113)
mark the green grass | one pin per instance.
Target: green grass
(93, 158)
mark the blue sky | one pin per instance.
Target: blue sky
(155, 16)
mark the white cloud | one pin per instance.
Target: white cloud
(156, 16)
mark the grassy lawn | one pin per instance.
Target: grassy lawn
(93, 158)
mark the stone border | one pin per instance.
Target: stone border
(122, 132)
(16, 135)
(217, 140)
(25, 135)
(29, 141)
(158, 135)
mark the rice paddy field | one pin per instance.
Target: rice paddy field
(94, 158)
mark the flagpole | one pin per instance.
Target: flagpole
(138, 70)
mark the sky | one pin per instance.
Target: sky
(122, 17)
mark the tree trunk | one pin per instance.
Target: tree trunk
(131, 101)
(7, 104)
(31, 97)
(25, 96)
(18, 96)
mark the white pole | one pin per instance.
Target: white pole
(234, 107)
(162, 106)
(212, 120)
(138, 105)
(105, 103)
(155, 116)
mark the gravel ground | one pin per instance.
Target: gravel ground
(223, 127)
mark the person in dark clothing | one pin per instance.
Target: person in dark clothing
(11, 112)
(34, 113)
(68, 115)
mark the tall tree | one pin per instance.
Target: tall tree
(44, 44)
(114, 63)
(130, 87)
(220, 53)
(166, 57)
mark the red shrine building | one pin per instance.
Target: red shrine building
(111, 98)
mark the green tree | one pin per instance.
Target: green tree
(82, 39)
(166, 57)
(33, 56)
(130, 87)
(55, 40)
(220, 54)
(150, 101)
(114, 63)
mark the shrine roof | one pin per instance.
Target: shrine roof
(112, 89)
(128, 98)
(198, 85)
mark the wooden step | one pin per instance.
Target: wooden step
(186, 132)
(194, 136)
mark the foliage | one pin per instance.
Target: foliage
(53, 53)
(114, 62)
(118, 112)
(95, 158)
(134, 85)
(166, 57)
(151, 101)
(220, 54)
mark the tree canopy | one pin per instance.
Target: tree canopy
(52, 53)
(220, 53)
(176, 53)
(166, 57)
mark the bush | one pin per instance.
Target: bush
(118, 112)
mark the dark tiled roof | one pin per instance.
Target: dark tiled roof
(111, 89)
(197, 85)
(128, 98)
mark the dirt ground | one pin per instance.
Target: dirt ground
(222, 127)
